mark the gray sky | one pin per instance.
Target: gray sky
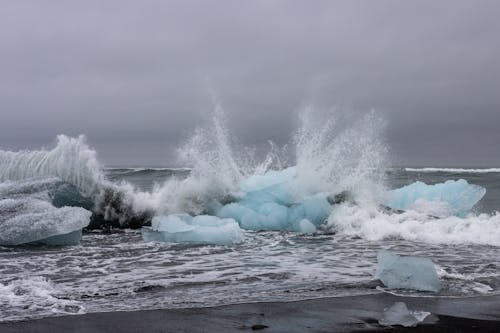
(137, 76)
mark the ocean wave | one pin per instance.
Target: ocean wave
(372, 224)
(454, 170)
(32, 294)
(71, 160)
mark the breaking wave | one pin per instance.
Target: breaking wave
(71, 160)
(372, 224)
(34, 293)
(454, 170)
(328, 156)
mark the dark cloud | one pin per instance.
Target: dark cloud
(137, 76)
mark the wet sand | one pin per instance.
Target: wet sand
(341, 314)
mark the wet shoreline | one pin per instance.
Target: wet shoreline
(337, 314)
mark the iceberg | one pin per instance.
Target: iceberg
(29, 220)
(201, 229)
(458, 197)
(398, 272)
(398, 314)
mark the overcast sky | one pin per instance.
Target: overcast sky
(137, 76)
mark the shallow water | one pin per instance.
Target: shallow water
(118, 271)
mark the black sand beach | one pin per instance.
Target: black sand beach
(341, 314)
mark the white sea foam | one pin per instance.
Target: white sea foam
(370, 223)
(454, 170)
(33, 294)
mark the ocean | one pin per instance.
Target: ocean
(114, 269)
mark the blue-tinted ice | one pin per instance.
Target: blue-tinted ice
(398, 314)
(201, 229)
(30, 220)
(27, 214)
(459, 195)
(397, 272)
(268, 202)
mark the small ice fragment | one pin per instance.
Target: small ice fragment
(172, 223)
(202, 229)
(397, 272)
(398, 314)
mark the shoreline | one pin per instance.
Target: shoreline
(333, 314)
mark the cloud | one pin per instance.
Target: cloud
(142, 74)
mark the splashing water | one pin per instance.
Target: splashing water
(327, 159)
(72, 160)
(331, 156)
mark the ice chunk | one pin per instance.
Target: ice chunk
(27, 220)
(268, 202)
(459, 195)
(398, 314)
(397, 272)
(68, 195)
(267, 216)
(280, 194)
(316, 209)
(273, 186)
(274, 216)
(201, 229)
(173, 223)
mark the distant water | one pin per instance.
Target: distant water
(110, 272)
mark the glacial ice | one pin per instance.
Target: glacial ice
(28, 220)
(35, 210)
(398, 314)
(458, 196)
(406, 272)
(201, 229)
(268, 202)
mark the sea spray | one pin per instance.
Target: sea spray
(71, 160)
(333, 156)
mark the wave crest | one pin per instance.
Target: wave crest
(71, 160)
